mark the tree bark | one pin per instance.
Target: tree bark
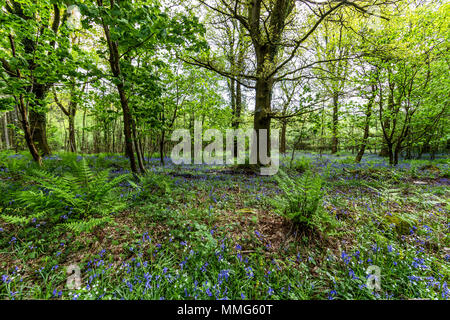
(397, 153)
(161, 148)
(38, 120)
(138, 149)
(334, 142)
(283, 137)
(5, 123)
(237, 114)
(83, 141)
(127, 127)
(27, 131)
(72, 141)
(262, 116)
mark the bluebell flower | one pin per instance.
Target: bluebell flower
(345, 257)
(332, 294)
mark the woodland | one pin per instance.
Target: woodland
(93, 206)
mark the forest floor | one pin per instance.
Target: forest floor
(202, 232)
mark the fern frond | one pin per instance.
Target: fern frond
(86, 226)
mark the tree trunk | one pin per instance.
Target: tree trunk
(5, 123)
(27, 132)
(72, 141)
(283, 137)
(13, 119)
(141, 151)
(17, 123)
(232, 87)
(396, 154)
(161, 148)
(83, 141)
(114, 136)
(385, 149)
(136, 147)
(334, 142)
(364, 141)
(262, 114)
(237, 114)
(390, 154)
(127, 127)
(38, 124)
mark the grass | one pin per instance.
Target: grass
(198, 232)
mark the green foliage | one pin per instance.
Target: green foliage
(77, 199)
(179, 225)
(152, 184)
(403, 271)
(87, 225)
(302, 197)
(191, 233)
(16, 163)
(301, 164)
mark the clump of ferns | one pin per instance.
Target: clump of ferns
(301, 201)
(79, 200)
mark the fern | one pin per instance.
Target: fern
(153, 184)
(80, 200)
(301, 197)
(301, 164)
(86, 226)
